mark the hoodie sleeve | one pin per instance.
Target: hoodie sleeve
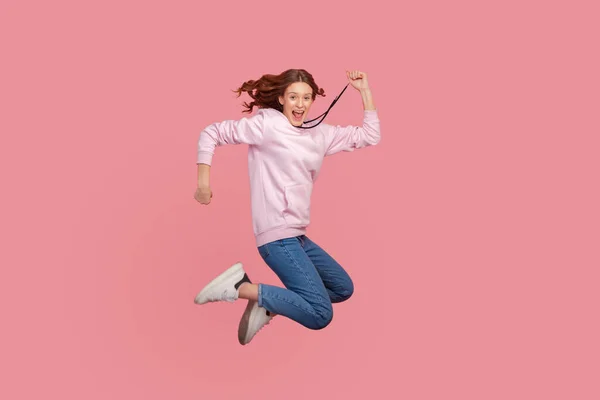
(348, 138)
(247, 130)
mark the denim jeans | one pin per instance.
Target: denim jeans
(313, 281)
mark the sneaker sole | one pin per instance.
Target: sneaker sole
(245, 327)
(245, 323)
(231, 271)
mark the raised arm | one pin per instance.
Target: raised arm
(348, 138)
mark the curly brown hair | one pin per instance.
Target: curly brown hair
(265, 91)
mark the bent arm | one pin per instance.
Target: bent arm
(247, 130)
(349, 138)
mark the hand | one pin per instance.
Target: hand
(203, 195)
(358, 79)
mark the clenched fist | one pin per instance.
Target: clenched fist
(203, 195)
(358, 79)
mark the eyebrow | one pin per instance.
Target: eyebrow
(297, 93)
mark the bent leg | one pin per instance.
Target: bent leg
(338, 283)
(304, 298)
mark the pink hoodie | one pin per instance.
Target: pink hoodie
(283, 163)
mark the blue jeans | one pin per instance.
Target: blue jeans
(313, 281)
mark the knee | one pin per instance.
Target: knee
(348, 290)
(345, 292)
(323, 317)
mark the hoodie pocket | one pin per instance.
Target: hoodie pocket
(297, 201)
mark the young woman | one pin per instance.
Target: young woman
(284, 158)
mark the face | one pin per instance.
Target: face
(296, 101)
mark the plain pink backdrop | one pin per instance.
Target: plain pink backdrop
(471, 231)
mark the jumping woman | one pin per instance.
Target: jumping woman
(285, 154)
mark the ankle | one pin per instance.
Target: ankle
(248, 291)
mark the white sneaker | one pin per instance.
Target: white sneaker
(253, 319)
(224, 287)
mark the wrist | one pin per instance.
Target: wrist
(203, 176)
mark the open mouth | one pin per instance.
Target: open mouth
(298, 115)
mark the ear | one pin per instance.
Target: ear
(281, 100)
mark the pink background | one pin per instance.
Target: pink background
(471, 230)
